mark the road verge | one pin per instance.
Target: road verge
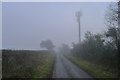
(94, 70)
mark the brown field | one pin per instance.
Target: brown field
(27, 64)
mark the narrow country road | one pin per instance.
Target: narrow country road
(66, 69)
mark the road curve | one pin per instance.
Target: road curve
(65, 69)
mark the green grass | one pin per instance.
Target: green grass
(45, 71)
(94, 70)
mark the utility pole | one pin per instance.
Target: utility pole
(78, 15)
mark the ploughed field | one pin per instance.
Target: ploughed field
(27, 64)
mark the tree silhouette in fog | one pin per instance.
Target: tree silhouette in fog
(47, 44)
(64, 48)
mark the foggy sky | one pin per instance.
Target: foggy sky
(0, 25)
(25, 25)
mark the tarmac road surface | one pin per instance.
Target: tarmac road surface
(65, 69)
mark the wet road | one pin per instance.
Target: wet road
(66, 69)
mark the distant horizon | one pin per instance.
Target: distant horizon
(23, 49)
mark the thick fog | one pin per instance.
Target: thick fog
(26, 24)
(0, 25)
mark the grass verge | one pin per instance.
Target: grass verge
(45, 71)
(94, 70)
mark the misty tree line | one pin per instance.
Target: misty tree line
(102, 48)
